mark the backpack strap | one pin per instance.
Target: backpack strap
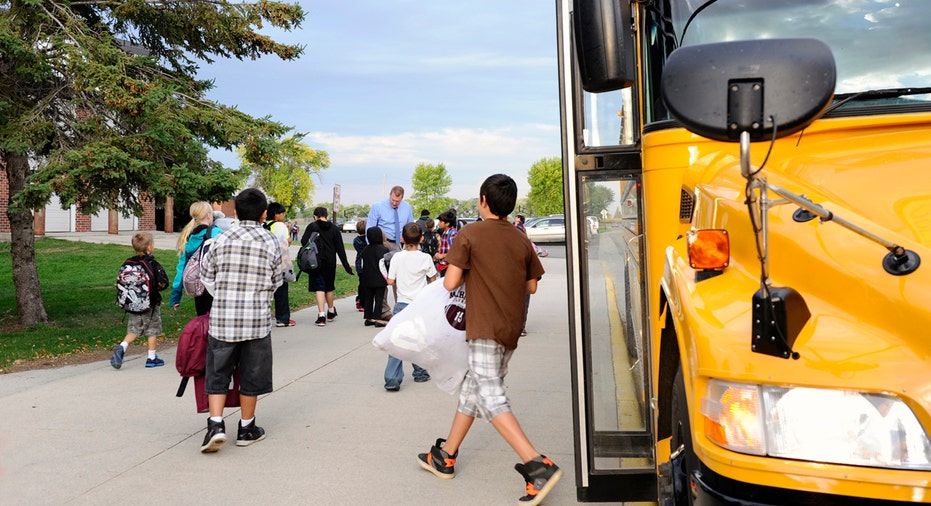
(182, 386)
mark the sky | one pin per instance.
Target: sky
(384, 85)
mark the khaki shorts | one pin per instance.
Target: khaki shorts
(148, 324)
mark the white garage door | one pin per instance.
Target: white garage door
(58, 219)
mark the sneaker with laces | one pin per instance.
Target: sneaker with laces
(438, 462)
(117, 360)
(541, 475)
(321, 321)
(330, 315)
(290, 323)
(215, 438)
(249, 434)
(154, 362)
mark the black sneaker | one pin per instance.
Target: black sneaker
(215, 438)
(249, 434)
(438, 461)
(541, 475)
(321, 321)
(330, 315)
(117, 360)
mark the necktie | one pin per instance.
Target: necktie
(397, 227)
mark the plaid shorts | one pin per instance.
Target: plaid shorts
(482, 393)
(148, 324)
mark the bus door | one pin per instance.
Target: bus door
(604, 246)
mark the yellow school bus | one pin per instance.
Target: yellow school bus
(751, 319)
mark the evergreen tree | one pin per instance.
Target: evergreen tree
(101, 105)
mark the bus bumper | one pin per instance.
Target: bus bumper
(710, 489)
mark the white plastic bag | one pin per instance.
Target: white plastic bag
(430, 332)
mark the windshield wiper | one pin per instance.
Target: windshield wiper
(692, 17)
(843, 98)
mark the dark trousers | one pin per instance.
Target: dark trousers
(372, 302)
(282, 306)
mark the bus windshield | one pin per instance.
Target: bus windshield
(877, 44)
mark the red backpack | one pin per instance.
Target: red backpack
(191, 359)
(191, 362)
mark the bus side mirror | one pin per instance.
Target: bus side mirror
(604, 44)
(720, 90)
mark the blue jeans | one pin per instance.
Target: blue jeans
(394, 371)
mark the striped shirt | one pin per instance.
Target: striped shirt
(241, 270)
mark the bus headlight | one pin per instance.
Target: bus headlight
(836, 426)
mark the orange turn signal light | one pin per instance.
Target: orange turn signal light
(709, 249)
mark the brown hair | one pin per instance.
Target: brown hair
(142, 241)
(411, 233)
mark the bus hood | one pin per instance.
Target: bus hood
(861, 316)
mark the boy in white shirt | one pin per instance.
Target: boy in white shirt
(410, 270)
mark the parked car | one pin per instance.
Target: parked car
(592, 224)
(465, 221)
(350, 226)
(547, 229)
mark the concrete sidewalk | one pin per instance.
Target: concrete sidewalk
(90, 434)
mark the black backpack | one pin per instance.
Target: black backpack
(307, 256)
(429, 245)
(134, 286)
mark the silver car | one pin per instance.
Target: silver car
(547, 229)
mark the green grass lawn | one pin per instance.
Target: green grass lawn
(78, 288)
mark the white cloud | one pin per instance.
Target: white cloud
(365, 166)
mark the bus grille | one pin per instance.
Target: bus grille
(686, 205)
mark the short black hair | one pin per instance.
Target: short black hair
(448, 217)
(500, 192)
(411, 233)
(250, 204)
(320, 212)
(424, 213)
(274, 208)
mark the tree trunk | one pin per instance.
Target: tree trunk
(29, 304)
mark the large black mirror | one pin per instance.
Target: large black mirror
(720, 90)
(604, 44)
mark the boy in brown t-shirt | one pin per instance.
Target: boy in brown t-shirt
(499, 266)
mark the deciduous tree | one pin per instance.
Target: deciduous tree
(100, 104)
(287, 176)
(431, 189)
(546, 189)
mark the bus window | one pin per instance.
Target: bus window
(609, 119)
(619, 408)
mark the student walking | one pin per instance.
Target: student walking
(499, 266)
(410, 271)
(279, 228)
(359, 244)
(148, 323)
(200, 229)
(242, 270)
(373, 282)
(322, 280)
(448, 234)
